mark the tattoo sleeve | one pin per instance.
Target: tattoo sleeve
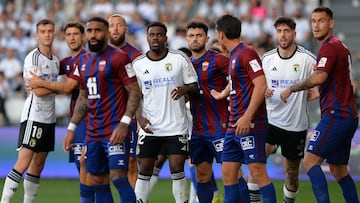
(80, 109)
(134, 98)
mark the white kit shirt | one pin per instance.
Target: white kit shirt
(40, 109)
(156, 80)
(281, 73)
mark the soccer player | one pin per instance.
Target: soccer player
(339, 117)
(74, 37)
(37, 128)
(164, 77)
(209, 115)
(118, 30)
(109, 96)
(248, 124)
(288, 124)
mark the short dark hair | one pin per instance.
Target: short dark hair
(100, 20)
(197, 24)
(75, 25)
(45, 22)
(285, 20)
(230, 25)
(327, 10)
(157, 24)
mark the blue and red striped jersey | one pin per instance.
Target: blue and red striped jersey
(131, 51)
(67, 65)
(336, 93)
(210, 116)
(104, 76)
(244, 66)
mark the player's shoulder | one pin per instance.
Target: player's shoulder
(304, 51)
(269, 54)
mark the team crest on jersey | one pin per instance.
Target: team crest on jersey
(205, 66)
(102, 65)
(129, 70)
(83, 67)
(296, 67)
(168, 67)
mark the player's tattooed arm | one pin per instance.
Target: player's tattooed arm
(80, 109)
(134, 98)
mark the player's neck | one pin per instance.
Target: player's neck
(198, 54)
(287, 53)
(46, 51)
(75, 53)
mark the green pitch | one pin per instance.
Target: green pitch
(66, 190)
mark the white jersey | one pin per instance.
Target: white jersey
(281, 73)
(40, 109)
(156, 80)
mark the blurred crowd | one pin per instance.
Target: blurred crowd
(19, 17)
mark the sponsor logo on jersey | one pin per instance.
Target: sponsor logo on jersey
(191, 72)
(205, 66)
(274, 83)
(68, 67)
(274, 69)
(315, 135)
(147, 84)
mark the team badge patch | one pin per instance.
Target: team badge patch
(254, 64)
(102, 65)
(129, 70)
(296, 67)
(322, 62)
(168, 67)
(205, 66)
(233, 62)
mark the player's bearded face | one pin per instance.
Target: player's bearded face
(118, 41)
(95, 47)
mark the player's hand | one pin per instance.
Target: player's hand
(68, 140)
(242, 125)
(269, 93)
(285, 94)
(34, 81)
(313, 94)
(145, 125)
(217, 95)
(178, 92)
(119, 134)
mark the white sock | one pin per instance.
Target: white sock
(179, 187)
(254, 190)
(288, 193)
(142, 188)
(31, 187)
(10, 186)
(192, 195)
(154, 178)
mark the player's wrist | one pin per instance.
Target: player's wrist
(72, 126)
(126, 120)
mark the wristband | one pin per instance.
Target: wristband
(72, 126)
(125, 119)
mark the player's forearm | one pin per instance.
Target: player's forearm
(42, 91)
(80, 108)
(192, 88)
(134, 99)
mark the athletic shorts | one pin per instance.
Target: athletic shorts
(78, 143)
(249, 148)
(331, 139)
(133, 139)
(102, 156)
(150, 146)
(292, 143)
(38, 137)
(204, 148)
